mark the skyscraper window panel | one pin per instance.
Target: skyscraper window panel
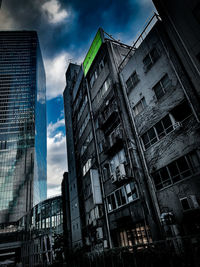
(22, 115)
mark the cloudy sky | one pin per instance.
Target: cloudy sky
(66, 29)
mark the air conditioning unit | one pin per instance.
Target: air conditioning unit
(120, 172)
(113, 177)
(177, 125)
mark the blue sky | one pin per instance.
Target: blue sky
(66, 29)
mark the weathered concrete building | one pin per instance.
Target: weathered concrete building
(135, 128)
(167, 126)
(115, 207)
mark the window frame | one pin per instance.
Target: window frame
(157, 136)
(189, 171)
(142, 101)
(127, 201)
(133, 79)
(153, 60)
(160, 83)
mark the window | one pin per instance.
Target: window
(181, 111)
(139, 234)
(82, 108)
(87, 166)
(97, 71)
(102, 91)
(185, 203)
(132, 81)
(86, 143)
(161, 87)
(157, 132)
(3, 145)
(106, 171)
(131, 192)
(176, 170)
(100, 147)
(83, 126)
(122, 196)
(139, 106)
(94, 77)
(150, 59)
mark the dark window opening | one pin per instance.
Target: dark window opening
(182, 111)
(185, 204)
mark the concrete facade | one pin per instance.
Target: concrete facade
(117, 208)
(168, 129)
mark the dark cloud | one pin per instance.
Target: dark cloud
(68, 35)
(75, 32)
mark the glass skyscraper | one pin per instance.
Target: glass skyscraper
(22, 124)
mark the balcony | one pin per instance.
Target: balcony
(109, 115)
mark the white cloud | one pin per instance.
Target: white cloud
(54, 191)
(54, 12)
(6, 21)
(55, 74)
(53, 126)
(56, 157)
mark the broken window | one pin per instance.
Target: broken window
(139, 106)
(131, 192)
(150, 59)
(181, 111)
(157, 132)
(124, 195)
(132, 81)
(161, 87)
(177, 170)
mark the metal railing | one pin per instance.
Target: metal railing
(149, 25)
